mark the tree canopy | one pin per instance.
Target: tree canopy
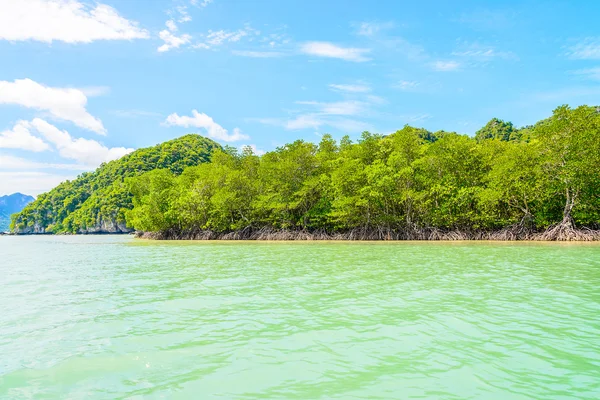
(411, 179)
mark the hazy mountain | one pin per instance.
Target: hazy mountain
(11, 204)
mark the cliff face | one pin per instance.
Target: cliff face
(107, 227)
(104, 227)
(96, 202)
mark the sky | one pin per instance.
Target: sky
(85, 82)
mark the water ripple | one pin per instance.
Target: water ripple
(109, 317)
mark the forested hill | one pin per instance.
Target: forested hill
(96, 201)
(539, 182)
(11, 204)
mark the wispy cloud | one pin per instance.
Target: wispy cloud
(478, 52)
(589, 73)
(258, 54)
(317, 121)
(277, 39)
(11, 162)
(135, 113)
(372, 28)
(200, 3)
(94, 91)
(330, 50)
(415, 118)
(407, 86)
(566, 94)
(184, 16)
(170, 39)
(218, 38)
(337, 108)
(350, 88)
(30, 182)
(488, 19)
(445, 65)
(342, 115)
(587, 49)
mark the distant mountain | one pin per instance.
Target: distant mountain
(96, 202)
(11, 204)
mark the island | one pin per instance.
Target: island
(539, 182)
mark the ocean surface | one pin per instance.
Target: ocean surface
(111, 317)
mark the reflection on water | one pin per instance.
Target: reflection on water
(113, 317)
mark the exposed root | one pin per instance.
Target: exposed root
(566, 231)
(560, 232)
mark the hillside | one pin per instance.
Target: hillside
(11, 204)
(96, 201)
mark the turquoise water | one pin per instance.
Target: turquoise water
(108, 317)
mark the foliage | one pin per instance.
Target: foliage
(98, 198)
(410, 179)
(498, 129)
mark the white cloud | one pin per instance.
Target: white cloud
(445, 65)
(201, 120)
(29, 182)
(183, 14)
(85, 151)
(11, 162)
(171, 40)
(171, 25)
(587, 49)
(355, 88)
(69, 21)
(589, 73)
(20, 137)
(63, 103)
(330, 50)
(258, 54)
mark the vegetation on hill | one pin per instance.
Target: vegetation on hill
(11, 204)
(540, 182)
(97, 201)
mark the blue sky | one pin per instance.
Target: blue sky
(85, 82)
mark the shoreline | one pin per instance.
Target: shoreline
(513, 234)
